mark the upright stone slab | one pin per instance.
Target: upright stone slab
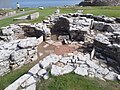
(33, 16)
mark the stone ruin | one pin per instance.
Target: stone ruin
(28, 17)
(101, 31)
(18, 46)
(97, 36)
(4, 13)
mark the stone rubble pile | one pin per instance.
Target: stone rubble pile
(17, 53)
(59, 65)
(102, 31)
(16, 49)
(11, 32)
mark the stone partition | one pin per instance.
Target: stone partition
(33, 16)
(28, 17)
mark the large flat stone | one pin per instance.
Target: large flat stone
(17, 55)
(18, 82)
(111, 76)
(34, 69)
(92, 64)
(81, 71)
(29, 42)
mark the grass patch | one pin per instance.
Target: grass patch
(110, 11)
(113, 11)
(75, 82)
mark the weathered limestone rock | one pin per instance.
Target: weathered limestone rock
(92, 64)
(31, 51)
(111, 76)
(81, 71)
(4, 54)
(17, 55)
(49, 60)
(7, 32)
(29, 84)
(9, 46)
(34, 57)
(39, 40)
(34, 70)
(42, 72)
(18, 82)
(4, 67)
(118, 77)
(46, 76)
(67, 69)
(102, 70)
(65, 60)
(98, 75)
(91, 72)
(102, 38)
(29, 42)
(12, 30)
(98, 25)
(56, 70)
(30, 87)
(113, 27)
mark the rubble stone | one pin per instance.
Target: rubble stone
(56, 71)
(118, 77)
(111, 76)
(81, 71)
(4, 67)
(28, 82)
(29, 42)
(17, 55)
(42, 72)
(34, 69)
(92, 64)
(4, 54)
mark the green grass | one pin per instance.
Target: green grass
(75, 82)
(113, 11)
(110, 11)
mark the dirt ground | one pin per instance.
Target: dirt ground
(56, 48)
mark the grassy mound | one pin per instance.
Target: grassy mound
(75, 82)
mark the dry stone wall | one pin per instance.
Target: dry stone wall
(16, 49)
(59, 65)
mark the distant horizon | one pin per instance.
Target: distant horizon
(37, 3)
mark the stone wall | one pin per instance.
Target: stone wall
(58, 65)
(33, 16)
(28, 17)
(16, 49)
